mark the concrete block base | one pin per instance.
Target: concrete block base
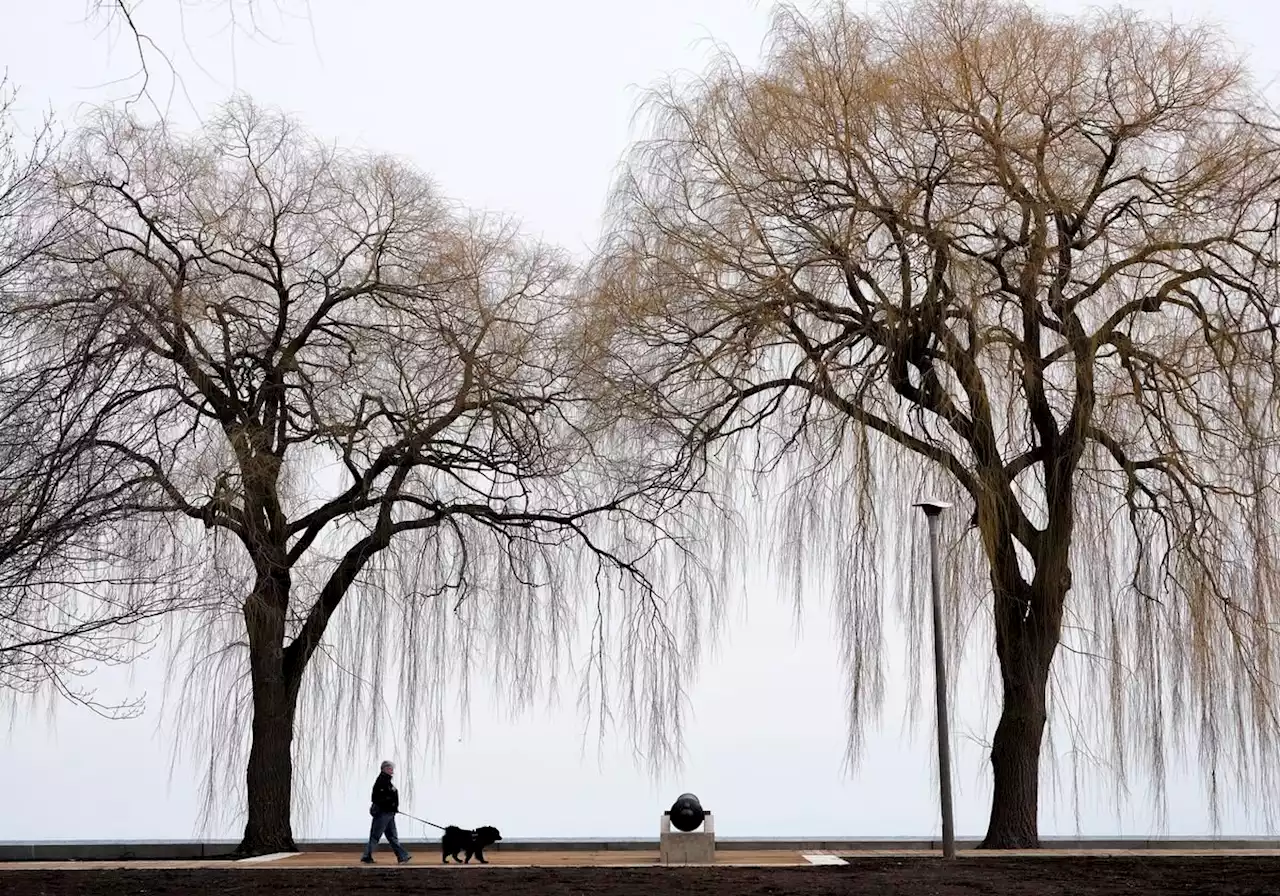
(694, 848)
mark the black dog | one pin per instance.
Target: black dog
(455, 840)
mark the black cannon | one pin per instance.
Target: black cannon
(687, 813)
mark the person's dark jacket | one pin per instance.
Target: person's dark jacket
(385, 797)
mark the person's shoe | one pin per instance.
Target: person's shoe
(405, 858)
(366, 860)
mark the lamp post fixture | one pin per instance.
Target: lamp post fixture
(932, 509)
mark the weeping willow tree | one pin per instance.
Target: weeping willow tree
(76, 589)
(83, 582)
(1033, 257)
(362, 403)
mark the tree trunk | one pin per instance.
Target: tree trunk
(1026, 640)
(1015, 767)
(269, 775)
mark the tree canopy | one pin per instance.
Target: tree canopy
(1035, 256)
(341, 387)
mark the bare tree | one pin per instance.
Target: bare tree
(351, 390)
(22, 232)
(83, 582)
(66, 604)
(1035, 254)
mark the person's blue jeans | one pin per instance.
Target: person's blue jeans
(384, 823)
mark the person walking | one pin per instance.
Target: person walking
(385, 803)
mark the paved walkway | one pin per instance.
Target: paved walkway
(430, 858)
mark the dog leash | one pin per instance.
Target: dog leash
(438, 827)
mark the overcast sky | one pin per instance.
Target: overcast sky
(522, 107)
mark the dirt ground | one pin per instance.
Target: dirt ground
(881, 876)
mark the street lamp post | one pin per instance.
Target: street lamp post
(932, 509)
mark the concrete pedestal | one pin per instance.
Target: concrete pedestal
(694, 848)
